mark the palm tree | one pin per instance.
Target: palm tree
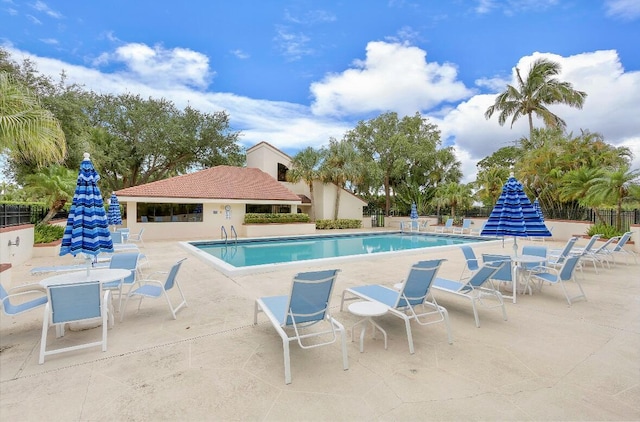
(533, 95)
(576, 185)
(340, 166)
(306, 167)
(454, 195)
(616, 187)
(26, 129)
(54, 185)
(489, 184)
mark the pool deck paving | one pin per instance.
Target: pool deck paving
(548, 361)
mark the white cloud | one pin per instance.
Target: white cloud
(240, 54)
(393, 77)
(623, 9)
(159, 66)
(292, 46)
(611, 107)
(41, 6)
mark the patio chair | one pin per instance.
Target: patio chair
(404, 302)
(583, 252)
(466, 227)
(619, 249)
(136, 238)
(77, 302)
(529, 268)
(448, 226)
(156, 289)
(25, 304)
(126, 261)
(561, 276)
(503, 275)
(119, 244)
(476, 289)
(472, 264)
(306, 306)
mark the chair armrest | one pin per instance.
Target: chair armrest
(28, 288)
(25, 293)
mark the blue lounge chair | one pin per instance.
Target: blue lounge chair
(403, 302)
(557, 257)
(476, 289)
(77, 302)
(448, 226)
(156, 289)
(307, 305)
(619, 249)
(561, 276)
(466, 227)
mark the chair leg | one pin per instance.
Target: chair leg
(287, 361)
(475, 311)
(43, 338)
(407, 323)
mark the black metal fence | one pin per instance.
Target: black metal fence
(15, 215)
(577, 214)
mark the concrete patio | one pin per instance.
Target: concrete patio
(549, 361)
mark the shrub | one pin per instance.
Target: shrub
(47, 233)
(257, 218)
(605, 230)
(338, 224)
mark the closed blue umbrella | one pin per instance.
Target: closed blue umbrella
(514, 215)
(536, 206)
(113, 215)
(414, 211)
(87, 229)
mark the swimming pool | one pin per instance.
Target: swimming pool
(248, 256)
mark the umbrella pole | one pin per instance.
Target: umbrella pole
(515, 246)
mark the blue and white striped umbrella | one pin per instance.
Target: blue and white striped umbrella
(113, 215)
(536, 206)
(514, 215)
(87, 229)
(414, 211)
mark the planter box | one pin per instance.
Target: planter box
(46, 250)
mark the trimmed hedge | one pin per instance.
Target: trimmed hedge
(46, 233)
(257, 218)
(338, 224)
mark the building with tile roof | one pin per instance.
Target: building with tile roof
(206, 203)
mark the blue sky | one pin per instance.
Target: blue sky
(295, 73)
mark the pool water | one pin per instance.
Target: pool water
(260, 252)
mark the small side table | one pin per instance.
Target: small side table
(368, 310)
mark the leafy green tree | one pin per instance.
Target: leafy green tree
(136, 141)
(305, 166)
(53, 185)
(27, 130)
(532, 96)
(390, 144)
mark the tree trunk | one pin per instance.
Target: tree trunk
(337, 205)
(312, 213)
(387, 195)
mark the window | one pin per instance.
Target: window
(282, 172)
(164, 212)
(267, 209)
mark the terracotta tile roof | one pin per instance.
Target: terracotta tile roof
(220, 182)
